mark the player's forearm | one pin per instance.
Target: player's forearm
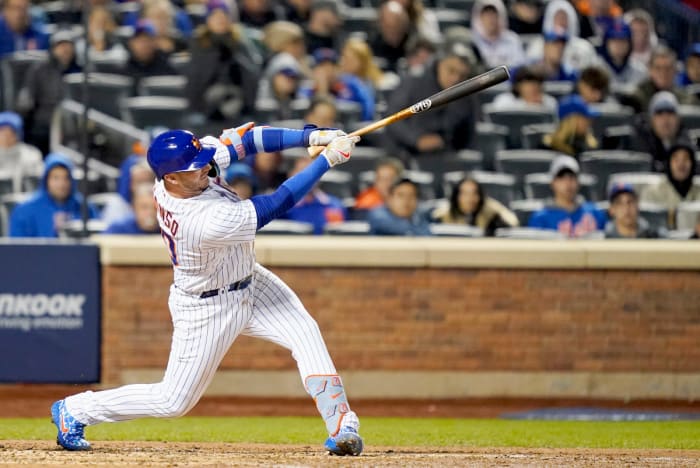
(269, 207)
(271, 139)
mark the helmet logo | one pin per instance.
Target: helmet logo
(197, 144)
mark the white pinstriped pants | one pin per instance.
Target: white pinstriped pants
(204, 330)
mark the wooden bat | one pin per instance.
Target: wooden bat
(458, 91)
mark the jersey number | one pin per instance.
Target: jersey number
(170, 242)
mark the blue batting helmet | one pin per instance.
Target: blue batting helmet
(178, 151)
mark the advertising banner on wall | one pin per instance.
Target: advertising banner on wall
(49, 312)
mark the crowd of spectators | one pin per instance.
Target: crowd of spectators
(259, 60)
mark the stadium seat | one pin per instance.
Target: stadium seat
(639, 180)
(180, 62)
(286, 227)
(655, 214)
(348, 112)
(7, 204)
(13, 69)
(74, 229)
(100, 200)
(690, 116)
(532, 134)
(606, 162)
(538, 186)
(347, 228)
(558, 89)
(523, 209)
(687, 215)
(297, 124)
(106, 91)
(448, 17)
(515, 119)
(7, 181)
(337, 183)
(155, 111)
(486, 96)
(167, 85)
(617, 137)
(523, 162)
(496, 185)
(107, 64)
(426, 183)
(439, 163)
(490, 138)
(360, 19)
(529, 233)
(455, 230)
(611, 115)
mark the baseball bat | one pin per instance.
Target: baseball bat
(458, 91)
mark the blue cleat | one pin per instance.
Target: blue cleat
(70, 432)
(346, 442)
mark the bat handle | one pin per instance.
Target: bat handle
(314, 151)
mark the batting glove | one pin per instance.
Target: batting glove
(233, 139)
(338, 151)
(323, 136)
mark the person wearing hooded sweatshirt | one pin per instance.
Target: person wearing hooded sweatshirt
(678, 185)
(644, 37)
(497, 45)
(135, 171)
(560, 17)
(16, 157)
(615, 53)
(56, 202)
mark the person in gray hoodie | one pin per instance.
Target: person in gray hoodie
(497, 45)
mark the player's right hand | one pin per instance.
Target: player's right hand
(338, 151)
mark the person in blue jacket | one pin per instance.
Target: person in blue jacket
(56, 202)
(142, 219)
(399, 216)
(18, 31)
(566, 214)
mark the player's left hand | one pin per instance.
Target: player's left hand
(323, 136)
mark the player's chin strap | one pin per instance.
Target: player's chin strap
(329, 395)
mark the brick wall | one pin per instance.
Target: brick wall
(442, 319)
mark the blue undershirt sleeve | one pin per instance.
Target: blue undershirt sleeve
(271, 139)
(269, 207)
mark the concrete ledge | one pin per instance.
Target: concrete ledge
(403, 252)
(444, 384)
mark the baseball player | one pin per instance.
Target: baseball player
(219, 291)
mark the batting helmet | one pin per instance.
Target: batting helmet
(178, 151)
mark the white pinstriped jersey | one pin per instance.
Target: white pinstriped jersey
(210, 236)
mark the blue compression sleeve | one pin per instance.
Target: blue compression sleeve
(269, 207)
(271, 139)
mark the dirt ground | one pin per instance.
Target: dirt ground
(16, 453)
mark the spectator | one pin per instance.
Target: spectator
(175, 17)
(615, 53)
(420, 54)
(593, 85)
(573, 135)
(625, 222)
(56, 202)
(44, 89)
(240, 178)
(356, 59)
(163, 15)
(525, 16)
(470, 205)
(267, 171)
(324, 27)
(17, 157)
(561, 18)
(597, 16)
(135, 171)
(145, 58)
(297, 11)
(389, 41)
(258, 13)
(102, 38)
(222, 78)
(142, 219)
(527, 91)
(280, 84)
(328, 80)
(678, 185)
(450, 127)
(644, 38)
(317, 207)
(399, 216)
(386, 172)
(496, 43)
(424, 22)
(17, 31)
(322, 112)
(552, 64)
(656, 134)
(691, 72)
(566, 214)
(286, 37)
(662, 75)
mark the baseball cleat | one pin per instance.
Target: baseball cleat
(346, 442)
(70, 431)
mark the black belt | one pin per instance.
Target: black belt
(238, 285)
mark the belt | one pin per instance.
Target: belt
(238, 285)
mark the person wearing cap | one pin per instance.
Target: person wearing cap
(43, 88)
(625, 222)
(678, 185)
(323, 29)
(615, 52)
(223, 74)
(566, 214)
(657, 132)
(17, 29)
(527, 90)
(497, 44)
(448, 128)
(145, 58)
(573, 134)
(560, 18)
(691, 67)
(662, 77)
(17, 158)
(399, 216)
(279, 85)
